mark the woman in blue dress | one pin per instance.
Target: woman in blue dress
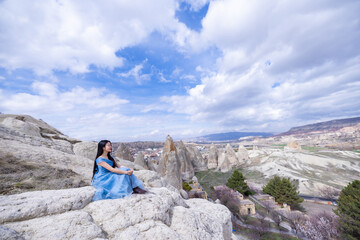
(110, 179)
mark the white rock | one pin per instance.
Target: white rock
(40, 203)
(70, 225)
(203, 220)
(139, 160)
(151, 178)
(184, 194)
(9, 234)
(231, 155)
(186, 168)
(43, 155)
(213, 157)
(86, 149)
(26, 128)
(242, 154)
(115, 216)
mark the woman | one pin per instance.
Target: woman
(110, 179)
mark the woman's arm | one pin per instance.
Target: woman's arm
(115, 170)
(119, 166)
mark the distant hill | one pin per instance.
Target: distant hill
(327, 126)
(229, 136)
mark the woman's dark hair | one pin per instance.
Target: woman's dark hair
(100, 151)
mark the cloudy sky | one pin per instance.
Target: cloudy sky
(140, 69)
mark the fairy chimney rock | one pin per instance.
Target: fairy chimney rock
(123, 152)
(231, 155)
(242, 154)
(169, 164)
(213, 157)
(187, 169)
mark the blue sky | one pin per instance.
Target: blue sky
(139, 70)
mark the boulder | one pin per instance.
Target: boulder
(69, 225)
(29, 205)
(86, 149)
(169, 164)
(129, 164)
(186, 167)
(123, 152)
(213, 157)
(203, 220)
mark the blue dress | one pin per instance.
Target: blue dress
(111, 185)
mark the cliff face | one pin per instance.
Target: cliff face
(35, 156)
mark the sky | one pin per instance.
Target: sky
(132, 70)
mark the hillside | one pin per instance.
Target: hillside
(327, 126)
(230, 136)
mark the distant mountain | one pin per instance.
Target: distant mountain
(229, 136)
(327, 126)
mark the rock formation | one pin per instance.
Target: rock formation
(70, 214)
(197, 159)
(36, 156)
(139, 160)
(86, 149)
(123, 152)
(231, 155)
(186, 169)
(242, 154)
(213, 157)
(169, 164)
(224, 163)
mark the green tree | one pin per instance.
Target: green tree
(237, 182)
(283, 191)
(348, 211)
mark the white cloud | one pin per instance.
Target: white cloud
(71, 35)
(310, 50)
(136, 74)
(48, 100)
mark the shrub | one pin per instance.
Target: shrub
(348, 211)
(186, 186)
(237, 182)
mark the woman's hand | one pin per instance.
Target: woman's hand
(129, 172)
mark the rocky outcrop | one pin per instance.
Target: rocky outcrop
(169, 164)
(139, 160)
(224, 163)
(123, 152)
(197, 160)
(86, 149)
(30, 205)
(186, 167)
(242, 154)
(213, 157)
(231, 155)
(160, 214)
